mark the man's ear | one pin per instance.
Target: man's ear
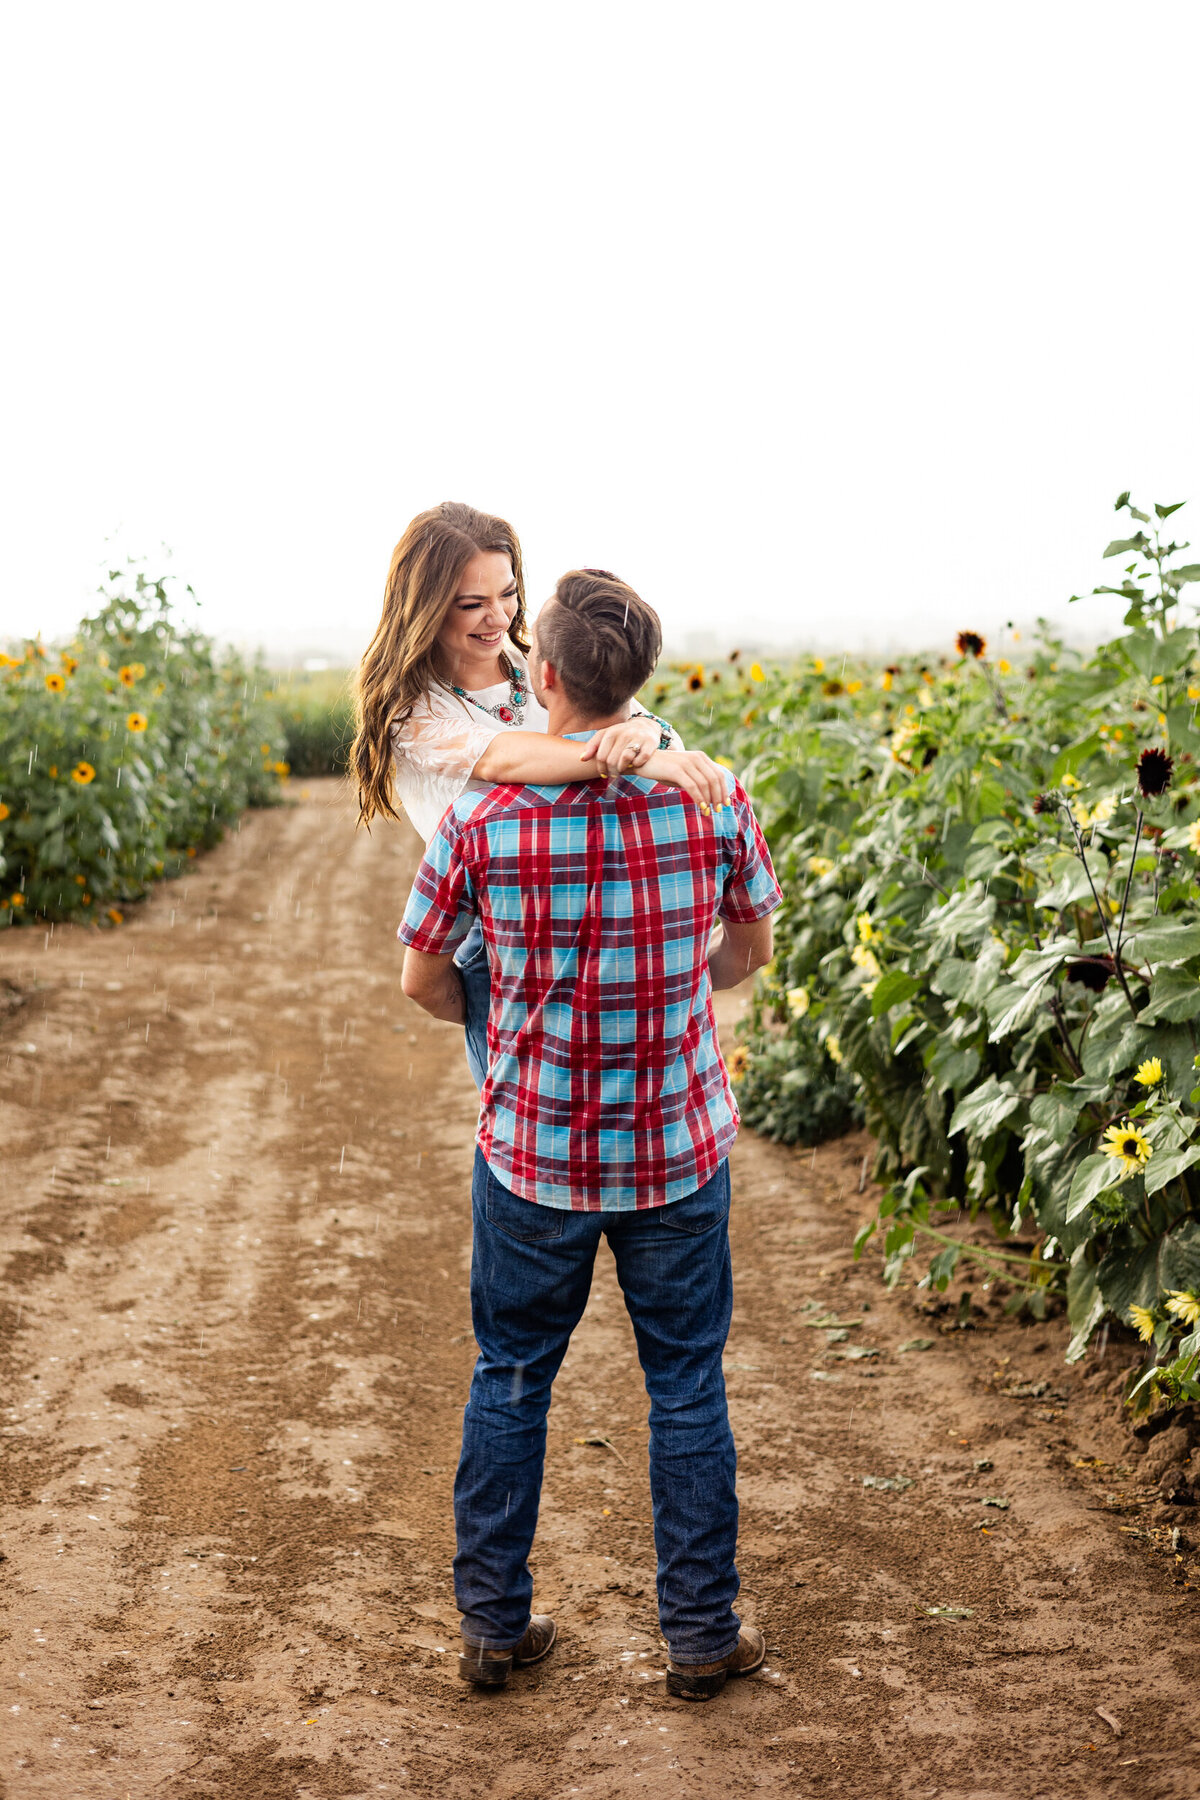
(547, 677)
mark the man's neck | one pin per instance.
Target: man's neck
(565, 718)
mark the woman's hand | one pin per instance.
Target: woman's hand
(693, 772)
(619, 748)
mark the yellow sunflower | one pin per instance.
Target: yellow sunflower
(1194, 837)
(834, 1048)
(820, 865)
(739, 1058)
(117, 917)
(126, 675)
(1149, 1073)
(799, 1000)
(83, 772)
(756, 672)
(282, 768)
(136, 722)
(69, 663)
(56, 683)
(16, 900)
(1143, 1322)
(3, 810)
(1184, 1305)
(1131, 1148)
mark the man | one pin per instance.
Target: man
(607, 1110)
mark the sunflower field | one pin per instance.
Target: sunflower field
(990, 947)
(124, 755)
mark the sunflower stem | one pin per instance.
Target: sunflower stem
(1082, 855)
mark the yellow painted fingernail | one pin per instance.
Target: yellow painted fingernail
(705, 809)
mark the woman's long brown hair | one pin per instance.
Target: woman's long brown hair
(401, 661)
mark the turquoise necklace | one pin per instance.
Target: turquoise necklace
(511, 714)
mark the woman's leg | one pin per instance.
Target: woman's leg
(471, 961)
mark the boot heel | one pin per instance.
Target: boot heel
(485, 1668)
(695, 1687)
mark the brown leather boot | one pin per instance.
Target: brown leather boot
(700, 1681)
(492, 1668)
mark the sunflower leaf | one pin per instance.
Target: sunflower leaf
(1093, 1176)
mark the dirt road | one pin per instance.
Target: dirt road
(235, 1228)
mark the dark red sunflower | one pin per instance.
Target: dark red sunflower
(970, 643)
(1091, 972)
(1154, 771)
(1042, 803)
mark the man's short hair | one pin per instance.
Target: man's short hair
(602, 639)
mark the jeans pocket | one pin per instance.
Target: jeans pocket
(701, 1211)
(471, 954)
(524, 1220)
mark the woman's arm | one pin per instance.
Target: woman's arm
(531, 756)
(535, 756)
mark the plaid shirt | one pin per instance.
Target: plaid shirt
(606, 1088)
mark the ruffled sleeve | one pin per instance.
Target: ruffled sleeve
(435, 741)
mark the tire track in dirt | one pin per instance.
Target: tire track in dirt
(235, 1229)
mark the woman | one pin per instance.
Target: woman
(443, 704)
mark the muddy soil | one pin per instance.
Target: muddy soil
(234, 1234)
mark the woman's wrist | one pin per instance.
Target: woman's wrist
(665, 732)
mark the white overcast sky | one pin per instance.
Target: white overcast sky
(838, 325)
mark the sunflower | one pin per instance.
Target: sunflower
(696, 680)
(1091, 972)
(265, 749)
(834, 1048)
(126, 676)
(3, 811)
(1154, 771)
(56, 683)
(282, 768)
(867, 933)
(1042, 803)
(69, 663)
(818, 665)
(854, 687)
(739, 1058)
(136, 722)
(1184, 1305)
(9, 662)
(1149, 1073)
(970, 644)
(83, 772)
(820, 865)
(1142, 1320)
(1071, 782)
(1129, 1146)
(117, 917)
(799, 1000)
(831, 689)
(756, 672)
(885, 681)
(16, 900)
(1004, 666)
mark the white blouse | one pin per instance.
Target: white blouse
(440, 742)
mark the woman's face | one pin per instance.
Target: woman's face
(476, 620)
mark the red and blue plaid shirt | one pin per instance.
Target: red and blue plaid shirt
(606, 1088)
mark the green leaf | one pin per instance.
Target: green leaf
(1187, 572)
(1093, 1176)
(1162, 941)
(982, 1112)
(952, 1065)
(890, 990)
(1166, 1166)
(1013, 1006)
(1174, 997)
(1164, 512)
(1068, 761)
(1085, 1307)
(1121, 546)
(943, 1266)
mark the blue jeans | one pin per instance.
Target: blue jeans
(470, 959)
(531, 1269)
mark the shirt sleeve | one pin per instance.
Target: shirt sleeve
(441, 907)
(443, 744)
(751, 890)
